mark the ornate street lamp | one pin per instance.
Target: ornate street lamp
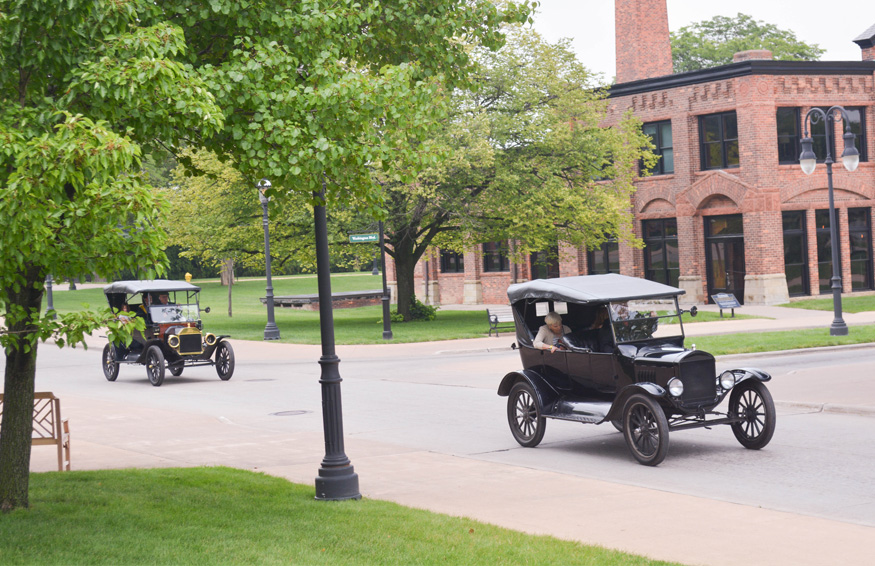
(337, 479)
(271, 331)
(808, 162)
(387, 319)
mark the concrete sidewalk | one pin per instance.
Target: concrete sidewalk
(662, 525)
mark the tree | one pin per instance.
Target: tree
(529, 161)
(312, 95)
(713, 42)
(79, 81)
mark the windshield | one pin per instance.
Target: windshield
(635, 322)
(174, 313)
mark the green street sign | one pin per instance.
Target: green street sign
(363, 238)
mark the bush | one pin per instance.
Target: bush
(418, 311)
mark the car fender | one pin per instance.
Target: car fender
(651, 390)
(743, 374)
(545, 392)
(208, 350)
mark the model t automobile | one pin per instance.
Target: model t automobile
(173, 338)
(633, 371)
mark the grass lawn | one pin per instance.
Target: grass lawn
(864, 303)
(744, 343)
(230, 516)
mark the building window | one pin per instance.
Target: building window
(795, 252)
(788, 135)
(661, 262)
(495, 257)
(660, 135)
(452, 262)
(605, 259)
(857, 123)
(718, 135)
(824, 251)
(860, 234)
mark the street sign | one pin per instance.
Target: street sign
(363, 238)
(726, 301)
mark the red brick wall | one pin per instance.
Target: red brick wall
(643, 45)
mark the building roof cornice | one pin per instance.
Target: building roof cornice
(744, 68)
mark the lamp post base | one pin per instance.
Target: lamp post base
(271, 332)
(838, 328)
(337, 484)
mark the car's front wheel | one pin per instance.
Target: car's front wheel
(646, 430)
(155, 365)
(224, 361)
(751, 401)
(524, 415)
(110, 366)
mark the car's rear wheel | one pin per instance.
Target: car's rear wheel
(110, 366)
(751, 401)
(618, 425)
(524, 415)
(176, 370)
(155, 365)
(224, 361)
(646, 430)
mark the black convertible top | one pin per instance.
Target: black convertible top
(591, 289)
(148, 286)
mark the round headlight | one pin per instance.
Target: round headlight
(173, 341)
(727, 380)
(675, 387)
(210, 339)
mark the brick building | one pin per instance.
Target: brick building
(727, 209)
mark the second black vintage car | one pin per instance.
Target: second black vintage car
(173, 338)
(633, 371)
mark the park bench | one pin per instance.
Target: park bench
(500, 318)
(48, 427)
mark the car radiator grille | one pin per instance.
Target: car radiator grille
(190, 344)
(700, 381)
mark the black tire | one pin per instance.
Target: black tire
(618, 425)
(524, 415)
(646, 430)
(752, 401)
(155, 365)
(224, 361)
(176, 371)
(110, 366)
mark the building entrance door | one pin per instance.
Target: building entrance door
(724, 250)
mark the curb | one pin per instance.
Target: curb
(861, 346)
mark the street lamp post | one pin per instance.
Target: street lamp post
(387, 319)
(337, 479)
(850, 160)
(271, 331)
(50, 305)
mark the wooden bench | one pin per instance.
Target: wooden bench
(500, 318)
(48, 427)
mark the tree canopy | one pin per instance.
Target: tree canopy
(713, 42)
(529, 160)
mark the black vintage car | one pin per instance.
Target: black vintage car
(173, 338)
(633, 372)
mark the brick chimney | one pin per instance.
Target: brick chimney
(752, 55)
(643, 44)
(866, 41)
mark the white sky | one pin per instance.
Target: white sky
(590, 24)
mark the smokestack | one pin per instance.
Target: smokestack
(866, 41)
(643, 44)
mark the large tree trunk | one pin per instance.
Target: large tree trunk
(17, 423)
(405, 266)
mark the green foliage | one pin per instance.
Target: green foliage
(713, 42)
(418, 311)
(856, 304)
(229, 516)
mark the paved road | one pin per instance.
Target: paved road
(427, 429)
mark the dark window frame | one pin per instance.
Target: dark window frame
(661, 148)
(837, 146)
(608, 247)
(824, 233)
(452, 262)
(670, 275)
(865, 233)
(723, 142)
(495, 257)
(802, 234)
(791, 140)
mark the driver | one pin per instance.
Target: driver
(550, 333)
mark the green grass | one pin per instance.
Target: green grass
(362, 325)
(744, 343)
(229, 516)
(703, 316)
(864, 303)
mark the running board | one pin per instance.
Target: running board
(580, 411)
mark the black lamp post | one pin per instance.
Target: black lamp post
(271, 331)
(850, 159)
(50, 306)
(337, 479)
(387, 320)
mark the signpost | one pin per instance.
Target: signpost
(373, 237)
(363, 238)
(726, 301)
